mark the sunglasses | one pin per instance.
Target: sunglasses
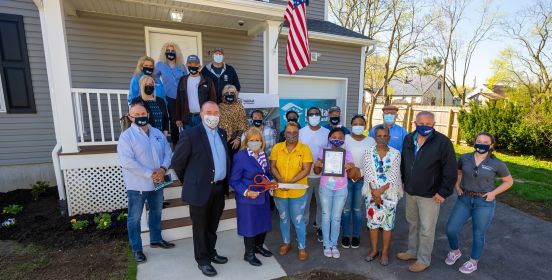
(475, 172)
(359, 116)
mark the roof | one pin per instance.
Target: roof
(485, 91)
(327, 27)
(415, 86)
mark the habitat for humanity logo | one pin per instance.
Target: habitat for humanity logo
(292, 107)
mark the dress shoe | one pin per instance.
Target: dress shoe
(207, 270)
(219, 259)
(264, 252)
(302, 255)
(403, 256)
(252, 259)
(418, 267)
(284, 249)
(139, 257)
(162, 244)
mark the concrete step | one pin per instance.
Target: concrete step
(172, 192)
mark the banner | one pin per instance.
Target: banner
(301, 106)
(259, 100)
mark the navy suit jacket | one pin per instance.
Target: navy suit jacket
(193, 163)
(244, 169)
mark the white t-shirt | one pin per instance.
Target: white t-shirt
(193, 97)
(357, 149)
(316, 140)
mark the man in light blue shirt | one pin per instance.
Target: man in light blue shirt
(144, 156)
(396, 132)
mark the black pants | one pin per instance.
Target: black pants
(252, 242)
(171, 107)
(205, 221)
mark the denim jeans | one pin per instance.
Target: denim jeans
(314, 184)
(481, 212)
(354, 201)
(136, 201)
(292, 210)
(332, 202)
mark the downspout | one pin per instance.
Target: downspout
(59, 180)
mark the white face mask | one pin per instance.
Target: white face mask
(314, 120)
(357, 129)
(218, 58)
(211, 121)
(254, 145)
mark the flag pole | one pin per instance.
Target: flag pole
(279, 32)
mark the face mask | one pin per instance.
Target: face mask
(424, 130)
(193, 69)
(257, 123)
(218, 58)
(482, 148)
(388, 118)
(358, 129)
(334, 120)
(141, 121)
(170, 55)
(292, 120)
(148, 90)
(229, 98)
(147, 70)
(292, 138)
(381, 141)
(337, 142)
(314, 120)
(254, 145)
(211, 121)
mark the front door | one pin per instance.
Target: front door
(189, 42)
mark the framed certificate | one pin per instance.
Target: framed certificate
(334, 162)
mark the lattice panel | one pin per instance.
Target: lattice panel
(95, 189)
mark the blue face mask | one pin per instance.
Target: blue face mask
(482, 148)
(389, 118)
(147, 71)
(357, 129)
(424, 130)
(337, 142)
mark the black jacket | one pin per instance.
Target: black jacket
(228, 76)
(433, 170)
(193, 163)
(206, 92)
(162, 106)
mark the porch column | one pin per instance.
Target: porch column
(271, 56)
(52, 21)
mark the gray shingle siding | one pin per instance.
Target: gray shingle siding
(315, 10)
(29, 138)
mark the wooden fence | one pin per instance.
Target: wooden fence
(446, 118)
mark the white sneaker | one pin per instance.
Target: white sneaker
(335, 253)
(468, 267)
(452, 257)
(328, 252)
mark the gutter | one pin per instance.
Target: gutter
(59, 180)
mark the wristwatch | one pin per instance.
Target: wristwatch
(164, 168)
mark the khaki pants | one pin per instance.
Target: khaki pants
(421, 215)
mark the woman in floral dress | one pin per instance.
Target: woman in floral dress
(382, 189)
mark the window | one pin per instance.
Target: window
(15, 72)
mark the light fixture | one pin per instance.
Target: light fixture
(176, 15)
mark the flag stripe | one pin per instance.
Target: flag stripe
(297, 49)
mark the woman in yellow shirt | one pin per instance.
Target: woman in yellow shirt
(290, 162)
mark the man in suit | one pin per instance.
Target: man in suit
(202, 163)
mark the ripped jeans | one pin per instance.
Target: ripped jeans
(292, 210)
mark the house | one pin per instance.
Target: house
(418, 90)
(482, 94)
(66, 67)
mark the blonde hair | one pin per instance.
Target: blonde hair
(142, 84)
(141, 61)
(250, 133)
(179, 58)
(228, 88)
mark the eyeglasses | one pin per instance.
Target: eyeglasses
(475, 171)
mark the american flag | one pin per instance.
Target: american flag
(297, 50)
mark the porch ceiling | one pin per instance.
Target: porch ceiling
(220, 13)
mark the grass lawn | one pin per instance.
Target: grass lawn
(532, 189)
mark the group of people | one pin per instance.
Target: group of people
(216, 150)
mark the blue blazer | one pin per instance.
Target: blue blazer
(244, 169)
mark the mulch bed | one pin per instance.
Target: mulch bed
(325, 275)
(539, 209)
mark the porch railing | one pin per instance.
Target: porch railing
(97, 113)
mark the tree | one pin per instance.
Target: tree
(431, 66)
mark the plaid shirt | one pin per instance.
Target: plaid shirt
(271, 138)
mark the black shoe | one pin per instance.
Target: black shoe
(319, 235)
(264, 252)
(355, 243)
(251, 259)
(139, 257)
(314, 225)
(346, 242)
(207, 270)
(162, 244)
(219, 259)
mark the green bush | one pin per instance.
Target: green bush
(518, 128)
(13, 209)
(39, 188)
(103, 221)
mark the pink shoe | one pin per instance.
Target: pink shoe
(452, 257)
(468, 267)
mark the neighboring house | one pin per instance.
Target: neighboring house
(67, 64)
(418, 90)
(482, 95)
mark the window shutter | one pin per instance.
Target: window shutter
(15, 71)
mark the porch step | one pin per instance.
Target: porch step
(179, 209)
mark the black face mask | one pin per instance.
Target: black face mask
(334, 120)
(229, 98)
(193, 69)
(141, 121)
(148, 90)
(147, 70)
(170, 55)
(257, 123)
(292, 120)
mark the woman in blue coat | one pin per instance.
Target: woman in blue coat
(145, 66)
(253, 208)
